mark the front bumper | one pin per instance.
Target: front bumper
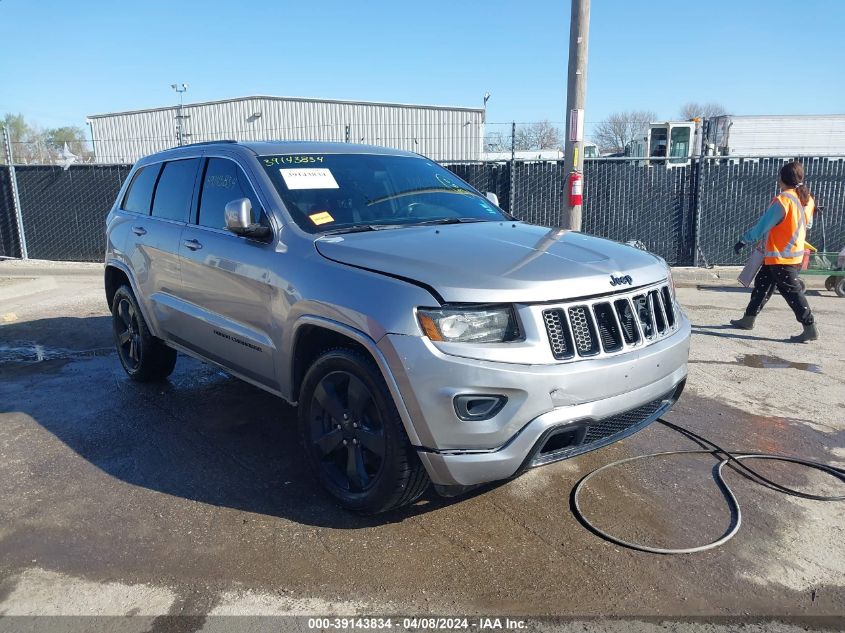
(526, 449)
(542, 399)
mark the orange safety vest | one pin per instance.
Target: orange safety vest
(785, 242)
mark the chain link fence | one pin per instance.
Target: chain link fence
(9, 245)
(687, 214)
(538, 191)
(628, 200)
(733, 195)
(64, 210)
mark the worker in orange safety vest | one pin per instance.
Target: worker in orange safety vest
(783, 227)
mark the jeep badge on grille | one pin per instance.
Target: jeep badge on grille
(621, 281)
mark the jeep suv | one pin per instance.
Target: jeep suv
(425, 335)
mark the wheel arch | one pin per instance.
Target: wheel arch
(117, 274)
(314, 335)
(114, 278)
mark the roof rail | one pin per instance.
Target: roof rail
(227, 140)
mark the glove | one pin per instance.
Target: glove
(739, 246)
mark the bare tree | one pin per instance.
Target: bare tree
(693, 109)
(496, 142)
(620, 128)
(540, 135)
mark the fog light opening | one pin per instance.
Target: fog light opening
(475, 407)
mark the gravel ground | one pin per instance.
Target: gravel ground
(190, 499)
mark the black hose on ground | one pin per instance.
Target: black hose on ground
(734, 458)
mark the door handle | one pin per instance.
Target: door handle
(194, 245)
(139, 230)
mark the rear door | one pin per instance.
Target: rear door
(160, 195)
(225, 278)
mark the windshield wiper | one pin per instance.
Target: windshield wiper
(448, 221)
(360, 228)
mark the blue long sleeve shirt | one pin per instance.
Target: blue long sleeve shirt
(769, 220)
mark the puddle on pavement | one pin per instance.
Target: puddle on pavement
(28, 352)
(762, 361)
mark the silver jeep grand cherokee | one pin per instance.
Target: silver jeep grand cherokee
(426, 335)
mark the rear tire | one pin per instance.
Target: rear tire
(353, 436)
(144, 357)
(830, 283)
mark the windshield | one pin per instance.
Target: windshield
(336, 192)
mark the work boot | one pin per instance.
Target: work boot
(745, 323)
(810, 333)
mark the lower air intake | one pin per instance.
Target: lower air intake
(590, 434)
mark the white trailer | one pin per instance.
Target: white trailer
(674, 143)
(776, 135)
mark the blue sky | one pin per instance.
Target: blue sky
(60, 61)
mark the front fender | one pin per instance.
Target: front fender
(371, 346)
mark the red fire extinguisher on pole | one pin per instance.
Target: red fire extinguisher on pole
(576, 189)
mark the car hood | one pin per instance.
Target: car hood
(497, 262)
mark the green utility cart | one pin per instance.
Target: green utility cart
(827, 263)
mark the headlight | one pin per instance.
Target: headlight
(485, 324)
(671, 283)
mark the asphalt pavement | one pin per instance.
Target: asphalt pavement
(191, 498)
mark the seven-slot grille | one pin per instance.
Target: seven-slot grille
(611, 324)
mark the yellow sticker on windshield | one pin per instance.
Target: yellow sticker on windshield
(321, 218)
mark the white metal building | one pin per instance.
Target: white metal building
(441, 133)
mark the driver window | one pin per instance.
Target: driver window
(658, 142)
(222, 182)
(679, 142)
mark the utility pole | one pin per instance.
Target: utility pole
(180, 117)
(576, 93)
(483, 142)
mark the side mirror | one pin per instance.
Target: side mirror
(239, 219)
(492, 197)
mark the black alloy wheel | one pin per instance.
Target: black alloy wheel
(347, 431)
(143, 356)
(353, 435)
(127, 331)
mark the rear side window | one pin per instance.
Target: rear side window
(174, 190)
(223, 182)
(140, 193)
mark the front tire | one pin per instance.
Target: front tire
(353, 436)
(144, 357)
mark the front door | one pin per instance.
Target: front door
(225, 280)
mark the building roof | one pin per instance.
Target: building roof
(301, 99)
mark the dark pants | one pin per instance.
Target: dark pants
(784, 277)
